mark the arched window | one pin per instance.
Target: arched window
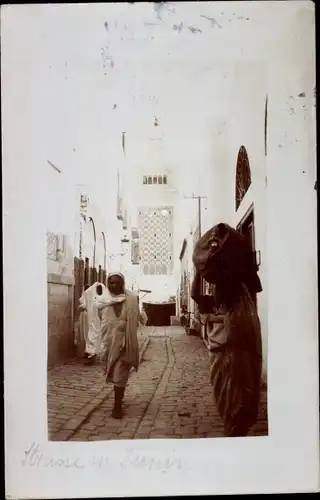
(266, 126)
(164, 179)
(145, 180)
(149, 179)
(155, 180)
(159, 179)
(94, 241)
(243, 176)
(105, 251)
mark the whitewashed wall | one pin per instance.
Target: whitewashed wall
(60, 214)
(284, 74)
(245, 127)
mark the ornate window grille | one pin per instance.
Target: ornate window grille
(243, 176)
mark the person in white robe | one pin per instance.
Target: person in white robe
(90, 299)
(83, 327)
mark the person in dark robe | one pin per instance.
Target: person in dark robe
(224, 258)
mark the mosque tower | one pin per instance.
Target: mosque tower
(153, 210)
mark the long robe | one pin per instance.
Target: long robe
(119, 350)
(235, 364)
(83, 327)
(94, 323)
(224, 258)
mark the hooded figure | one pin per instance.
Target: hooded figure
(224, 258)
(88, 304)
(118, 349)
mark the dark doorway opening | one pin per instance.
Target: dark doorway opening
(246, 228)
(159, 314)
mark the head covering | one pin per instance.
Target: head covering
(107, 298)
(224, 257)
(116, 273)
(92, 290)
(90, 297)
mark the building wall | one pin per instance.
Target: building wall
(286, 76)
(63, 235)
(60, 253)
(245, 127)
(60, 331)
(93, 234)
(60, 214)
(60, 283)
(242, 125)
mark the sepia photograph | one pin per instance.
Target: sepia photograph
(157, 292)
(160, 214)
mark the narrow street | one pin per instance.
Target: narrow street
(169, 397)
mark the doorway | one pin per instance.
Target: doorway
(159, 314)
(247, 229)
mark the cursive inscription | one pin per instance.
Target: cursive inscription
(138, 461)
(36, 458)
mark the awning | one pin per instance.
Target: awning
(158, 298)
(159, 303)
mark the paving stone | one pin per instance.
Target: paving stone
(74, 389)
(73, 423)
(169, 397)
(61, 435)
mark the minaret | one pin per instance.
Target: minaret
(155, 149)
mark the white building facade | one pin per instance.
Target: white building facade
(153, 205)
(262, 142)
(78, 230)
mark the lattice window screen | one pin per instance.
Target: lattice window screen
(156, 240)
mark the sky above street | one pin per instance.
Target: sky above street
(93, 71)
(101, 69)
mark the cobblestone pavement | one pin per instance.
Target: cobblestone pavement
(74, 390)
(169, 397)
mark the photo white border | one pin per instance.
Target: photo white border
(286, 461)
